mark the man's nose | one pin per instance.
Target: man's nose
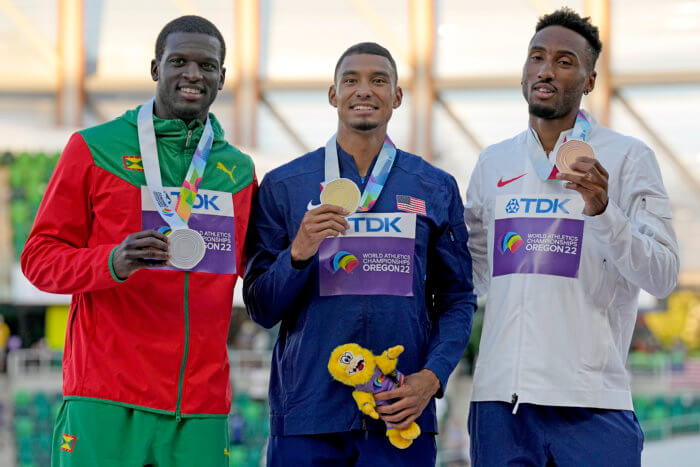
(363, 89)
(545, 70)
(192, 71)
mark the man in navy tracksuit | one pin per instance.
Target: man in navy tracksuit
(395, 272)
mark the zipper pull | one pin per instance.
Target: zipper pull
(514, 400)
(187, 141)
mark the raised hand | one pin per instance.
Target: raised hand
(148, 248)
(591, 180)
(320, 223)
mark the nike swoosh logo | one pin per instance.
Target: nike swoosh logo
(311, 206)
(502, 182)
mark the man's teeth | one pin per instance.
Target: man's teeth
(546, 90)
(363, 107)
(191, 90)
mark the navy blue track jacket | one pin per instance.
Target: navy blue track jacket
(434, 325)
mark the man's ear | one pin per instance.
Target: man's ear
(398, 97)
(590, 82)
(222, 78)
(332, 98)
(154, 69)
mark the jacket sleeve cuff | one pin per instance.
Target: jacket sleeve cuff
(300, 264)
(608, 225)
(111, 266)
(442, 371)
(296, 272)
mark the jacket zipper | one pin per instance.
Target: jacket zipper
(515, 397)
(187, 141)
(178, 407)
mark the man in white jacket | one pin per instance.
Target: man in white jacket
(562, 257)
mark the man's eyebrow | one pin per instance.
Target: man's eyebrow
(539, 48)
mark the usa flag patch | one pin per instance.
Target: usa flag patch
(410, 204)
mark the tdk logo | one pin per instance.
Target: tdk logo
(203, 201)
(375, 224)
(537, 205)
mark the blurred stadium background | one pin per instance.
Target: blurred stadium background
(69, 64)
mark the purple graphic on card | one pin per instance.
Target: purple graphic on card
(366, 266)
(219, 238)
(537, 245)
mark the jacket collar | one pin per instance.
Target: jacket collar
(176, 127)
(542, 163)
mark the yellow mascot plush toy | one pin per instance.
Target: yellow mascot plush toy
(368, 374)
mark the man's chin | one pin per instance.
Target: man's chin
(545, 111)
(364, 126)
(542, 111)
(188, 113)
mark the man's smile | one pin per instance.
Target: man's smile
(191, 93)
(544, 90)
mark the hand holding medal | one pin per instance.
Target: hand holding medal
(145, 249)
(578, 166)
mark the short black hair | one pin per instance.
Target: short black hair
(568, 18)
(189, 23)
(371, 48)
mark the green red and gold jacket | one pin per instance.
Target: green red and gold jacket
(156, 341)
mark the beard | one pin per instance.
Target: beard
(543, 111)
(569, 100)
(364, 125)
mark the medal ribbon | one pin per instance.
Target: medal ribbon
(544, 167)
(151, 167)
(377, 178)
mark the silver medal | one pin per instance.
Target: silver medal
(187, 248)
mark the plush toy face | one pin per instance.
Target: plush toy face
(351, 364)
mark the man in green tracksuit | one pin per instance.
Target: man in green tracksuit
(145, 366)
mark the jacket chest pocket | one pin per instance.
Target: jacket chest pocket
(597, 274)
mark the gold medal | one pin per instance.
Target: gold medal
(569, 151)
(341, 192)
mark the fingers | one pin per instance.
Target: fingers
(398, 406)
(146, 254)
(329, 208)
(401, 413)
(591, 169)
(147, 243)
(320, 218)
(398, 417)
(148, 248)
(404, 424)
(591, 181)
(149, 233)
(317, 224)
(339, 225)
(393, 394)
